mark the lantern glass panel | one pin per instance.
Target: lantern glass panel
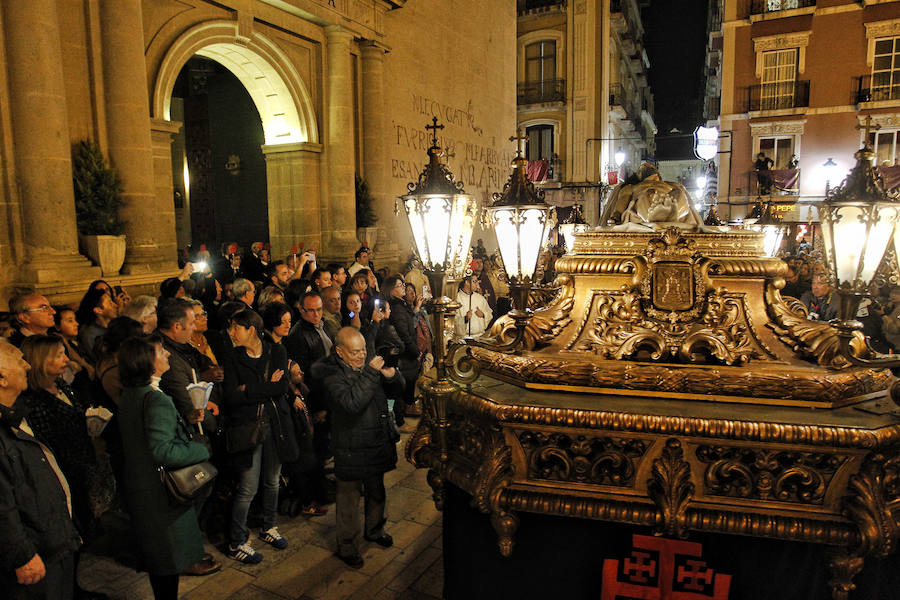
(416, 223)
(772, 236)
(506, 228)
(883, 220)
(844, 232)
(531, 239)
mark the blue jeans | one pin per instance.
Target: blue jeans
(265, 461)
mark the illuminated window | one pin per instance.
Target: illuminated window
(886, 69)
(540, 142)
(779, 79)
(884, 142)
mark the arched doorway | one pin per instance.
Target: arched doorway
(284, 112)
(220, 173)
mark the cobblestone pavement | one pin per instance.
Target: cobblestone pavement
(411, 570)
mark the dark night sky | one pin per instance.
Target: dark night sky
(675, 39)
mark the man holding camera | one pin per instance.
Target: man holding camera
(364, 439)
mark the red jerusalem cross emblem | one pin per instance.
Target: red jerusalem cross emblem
(662, 569)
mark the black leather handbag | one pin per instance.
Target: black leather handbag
(184, 484)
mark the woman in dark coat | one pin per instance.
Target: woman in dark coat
(256, 389)
(153, 434)
(57, 417)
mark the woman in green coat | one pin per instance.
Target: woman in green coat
(169, 535)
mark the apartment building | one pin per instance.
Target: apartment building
(583, 97)
(796, 81)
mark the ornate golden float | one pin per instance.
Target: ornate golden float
(669, 384)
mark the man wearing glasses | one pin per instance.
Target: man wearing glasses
(34, 316)
(364, 439)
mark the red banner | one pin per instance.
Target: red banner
(663, 569)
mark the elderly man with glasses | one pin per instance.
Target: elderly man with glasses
(364, 439)
(34, 316)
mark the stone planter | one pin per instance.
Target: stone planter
(107, 251)
(367, 236)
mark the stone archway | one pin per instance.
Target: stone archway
(292, 149)
(285, 105)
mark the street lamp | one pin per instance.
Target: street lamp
(520, 218)
(858, 220)
(830, 169)
(573, 224)
(441, 216)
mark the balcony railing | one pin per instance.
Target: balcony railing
(548, 90)
(774, 182)
(774, 96)
(881, 90)
(758, 7)
(616, 95)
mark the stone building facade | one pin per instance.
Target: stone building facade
(798, 78)
(583, 93)
(340, 86)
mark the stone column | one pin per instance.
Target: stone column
(130, 148)
(43, 152)
(292, 179)
(340, 222)
(162, 134)
(375, 159)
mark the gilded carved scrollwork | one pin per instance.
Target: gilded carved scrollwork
(872, 492)
(672, 311)
(580, 459)
(815, 340)
(492, 477)
(547, 322)
(671, 489)
(767, 474)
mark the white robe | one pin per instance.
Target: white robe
(478, 324)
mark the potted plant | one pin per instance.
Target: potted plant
(366, 232)
(98, 196)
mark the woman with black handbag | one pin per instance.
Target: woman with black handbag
(259, 434)
(154, 435)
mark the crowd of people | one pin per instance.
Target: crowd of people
(306, 372)
(807, 281)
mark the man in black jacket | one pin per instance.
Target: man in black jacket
(175, 321)
(36, 530)
(363, 438)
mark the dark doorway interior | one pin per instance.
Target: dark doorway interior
(225, 197)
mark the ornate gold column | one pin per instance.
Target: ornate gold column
(147, 229)
(41, 143)
(340, 222)
(375, 160)
(292, 178)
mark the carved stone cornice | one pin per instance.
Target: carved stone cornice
(795, 127)
(782, 41)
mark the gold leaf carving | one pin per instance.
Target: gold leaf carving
(868, 505)
(671, 489)
(812, 339)
(547, 322)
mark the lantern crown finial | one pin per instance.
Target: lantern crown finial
(518, 190)
(436, 177)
